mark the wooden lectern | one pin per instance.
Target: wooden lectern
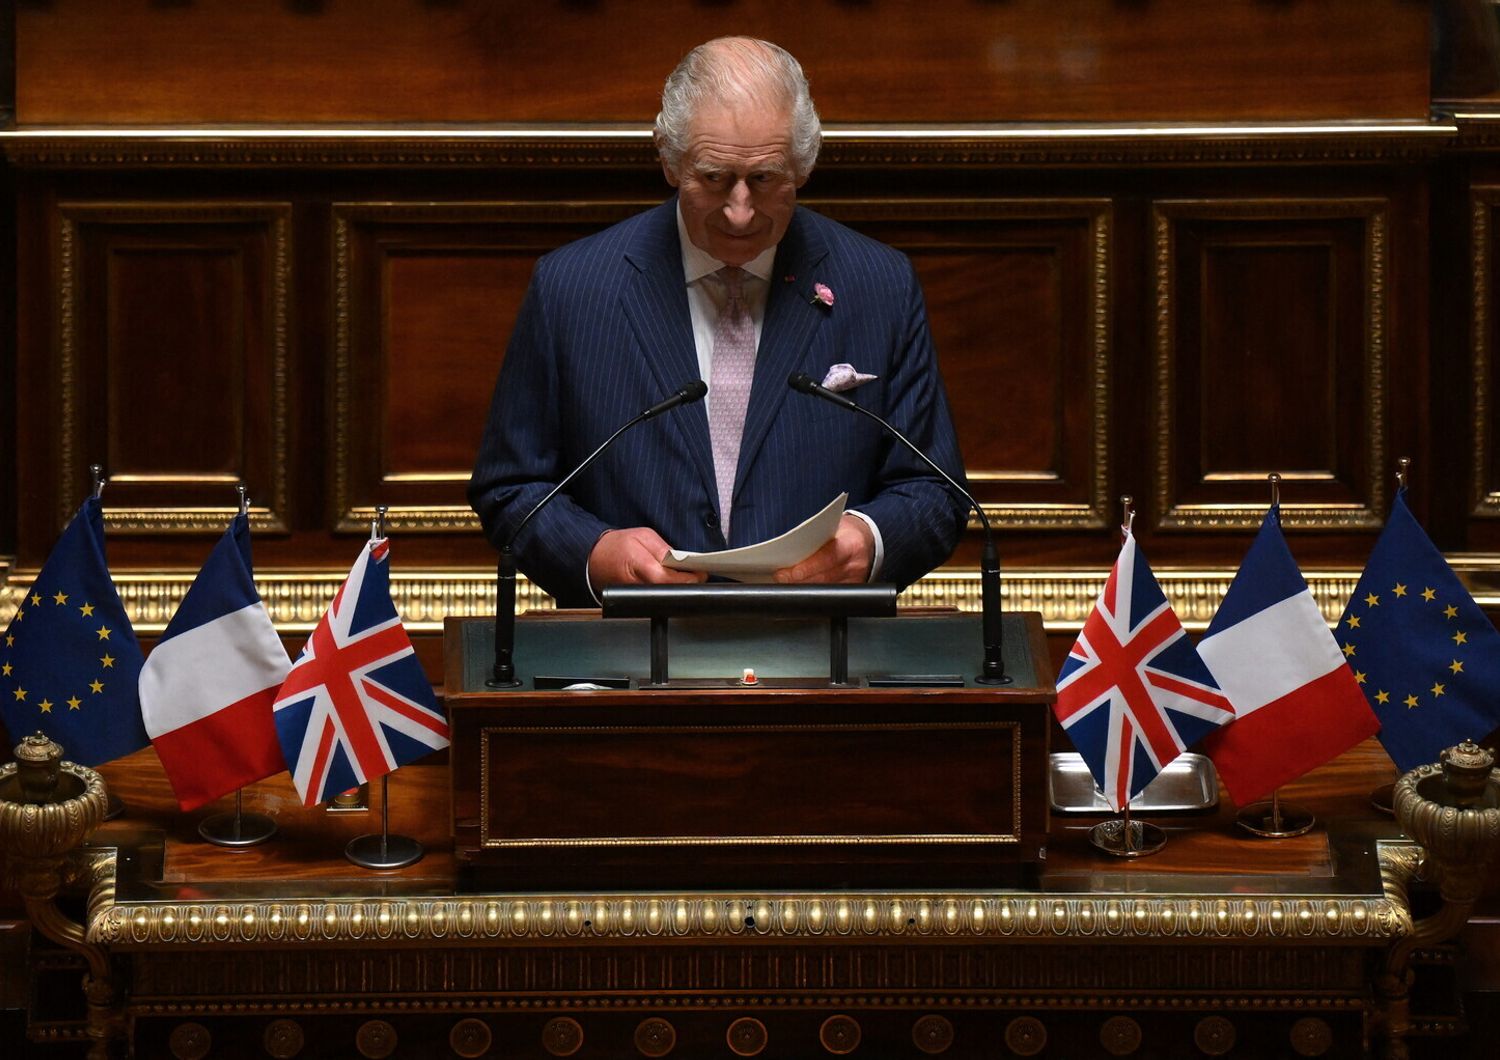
(592, 775)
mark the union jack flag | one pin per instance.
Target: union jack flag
(1133, 693)
(356, 704)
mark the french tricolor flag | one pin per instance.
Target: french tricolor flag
(207, 686)
(1296, 703)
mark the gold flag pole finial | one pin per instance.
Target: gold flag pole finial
(96, 471)
(1403, 468)
(1275, 480)
(244, 498)
(377, 524)
(1127, 506)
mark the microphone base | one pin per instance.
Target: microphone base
(1003, 679)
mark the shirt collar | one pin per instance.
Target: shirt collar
(698, 263)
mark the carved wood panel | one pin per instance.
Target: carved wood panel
(1018, 300)
(170, 365)
(1270, 357)
(425, 298)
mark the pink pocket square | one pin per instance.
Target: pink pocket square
(842, 377)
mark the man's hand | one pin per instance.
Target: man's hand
(846, 558)
(633, 557)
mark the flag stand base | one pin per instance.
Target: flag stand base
(384, 851)
(1383, 799)
(237, 829)
(1124, 838)
(1271, 820)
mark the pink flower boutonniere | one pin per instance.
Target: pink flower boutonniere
(822, 295)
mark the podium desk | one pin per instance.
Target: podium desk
(914, 775)
(1219, 945)
(1219, 940)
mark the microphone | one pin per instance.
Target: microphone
(993, 671)
(686, 395)
(504, 674)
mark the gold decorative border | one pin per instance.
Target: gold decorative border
(584, 918)
(1231, 516)
(1290, 997)
(1484, 496)
(1098, 215)
(423, 518)
(490, 732)
(296, 600)
(616, 145)
(278, 218)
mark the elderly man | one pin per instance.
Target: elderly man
(729, 281)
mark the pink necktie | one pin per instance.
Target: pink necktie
(729, 385)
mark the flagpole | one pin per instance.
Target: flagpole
(1383, 798)
(1122, 837)
(114, 806)
(237, 829)
(1269, 819)
(383, 851)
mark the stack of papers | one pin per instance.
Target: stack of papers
(756, 563)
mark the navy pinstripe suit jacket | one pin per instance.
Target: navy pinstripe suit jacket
(605, 332)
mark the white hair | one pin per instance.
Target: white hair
(738, 71)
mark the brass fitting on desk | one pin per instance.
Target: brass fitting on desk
(48, 809)
(1452, 810)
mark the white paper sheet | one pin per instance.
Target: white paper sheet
(756, 563)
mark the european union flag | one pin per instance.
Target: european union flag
(69, 661)
(1424, 654)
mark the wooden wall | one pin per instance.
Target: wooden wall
(1167, 247)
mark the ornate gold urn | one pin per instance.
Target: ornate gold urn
(48, 809)
(1452, 810)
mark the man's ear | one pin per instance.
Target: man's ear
(666, 167)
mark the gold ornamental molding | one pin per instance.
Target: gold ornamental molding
(629, 145)
(1166, 216)
(73, 216)
(296, 600)
(834, 916)
(733, 1003)
(1484, 488)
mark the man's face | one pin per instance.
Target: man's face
(736, 183)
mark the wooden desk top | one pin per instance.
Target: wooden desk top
(172, 887)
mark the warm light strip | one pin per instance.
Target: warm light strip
(1060, 131)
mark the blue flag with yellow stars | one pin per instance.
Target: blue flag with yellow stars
(69, 661)
(1424, 654)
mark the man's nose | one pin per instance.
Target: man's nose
(738, 210)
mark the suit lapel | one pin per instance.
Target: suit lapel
(655, 303)
(791, 321)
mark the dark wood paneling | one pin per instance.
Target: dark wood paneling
(426, 297)
(1017, 297)
(170, 363)
(1271, 354)
(101, 61)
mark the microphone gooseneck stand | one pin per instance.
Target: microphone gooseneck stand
(504, 673)
(992, 672)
